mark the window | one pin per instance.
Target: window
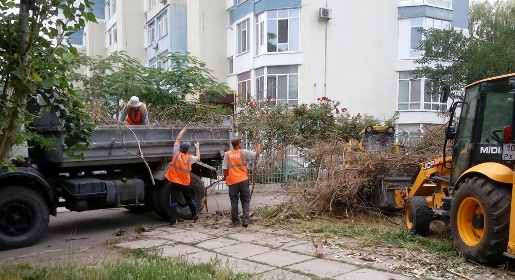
(162, 61)
(110, 8)
(416, 94)
(260, 84)
(244, 93)
(240, 1)
(112, 35)
(282, 84)
(230, 62)
(231, 16)
(162, 25)
(281, 28)
(151, 4)
(152, 63)
(151, 33)
(243, 37)
(415, 35)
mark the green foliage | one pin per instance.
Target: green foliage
(457, 59)
(34, 57)
(277, 125)
(112, 80)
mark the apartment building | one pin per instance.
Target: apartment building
(357, 53)
(295, 51)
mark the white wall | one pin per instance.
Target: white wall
(359, 69)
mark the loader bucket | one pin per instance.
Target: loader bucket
(387, 194)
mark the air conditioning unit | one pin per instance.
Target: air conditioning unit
(153, 45)
(325, 14)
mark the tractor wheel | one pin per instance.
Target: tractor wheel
(24, 217)
(417, 215)
(183, 211)
(480, 219)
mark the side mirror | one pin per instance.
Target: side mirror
(444, 93)
(450, 132)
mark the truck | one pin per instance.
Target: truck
(123, 167)
(470, 190)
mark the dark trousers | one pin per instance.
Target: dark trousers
(240, 191)
(174, 201)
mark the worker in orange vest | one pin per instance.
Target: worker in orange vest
(236, 176)
(179, 174)
(135, 113)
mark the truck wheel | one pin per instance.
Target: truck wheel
(183, 210)
(417, 215)
(162, 197)
(480, 218)
(197, 193)
(24, 217)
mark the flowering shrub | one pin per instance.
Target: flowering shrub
(304, 125)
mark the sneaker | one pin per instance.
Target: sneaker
(245, 224)
(235, 224)
(173, 224)
(196, 219)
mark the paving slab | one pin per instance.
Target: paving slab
(366, 273)
(186, 236)
(323, 268)
(305, 248)
(217, 243)
(280, 258)
(178, 250)
(245, 266)
(242, 250)
(274, 241)
(144, 244)
(245, 236)
(279, 274)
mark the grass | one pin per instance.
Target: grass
(145, 266)
(370, 230)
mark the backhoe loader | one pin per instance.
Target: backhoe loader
(470, 190)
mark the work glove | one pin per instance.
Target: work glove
(196, 145)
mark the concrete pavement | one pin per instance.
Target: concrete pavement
(264, 252)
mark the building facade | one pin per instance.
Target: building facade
(357, 53)
(294, 51)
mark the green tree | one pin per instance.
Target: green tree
(117, 77)
(34, 57)
(454, 58)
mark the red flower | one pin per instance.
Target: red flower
(344, 109)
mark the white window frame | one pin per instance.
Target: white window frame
(266, 90)
(239, 2)
(420, 101)
(152, 63)
(110, 8)
(162, 25)
(243, 36)
(244, 84)
(263, 29)
(151, 4)
(152, 33)
(114, 29)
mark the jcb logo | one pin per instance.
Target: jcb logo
(428, 164)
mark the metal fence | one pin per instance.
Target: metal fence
(280, 166)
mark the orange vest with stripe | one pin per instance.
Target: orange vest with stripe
(236, 167)
(135, 115)
(180, 169)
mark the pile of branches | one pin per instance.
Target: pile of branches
(179, 115)
(347, 174)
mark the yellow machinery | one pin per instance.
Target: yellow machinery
(472, 190)
(378, 138)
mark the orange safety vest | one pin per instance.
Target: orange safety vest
(180, 169)
(236, 167)
(134, 115)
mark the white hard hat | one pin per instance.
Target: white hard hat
(134, 102)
